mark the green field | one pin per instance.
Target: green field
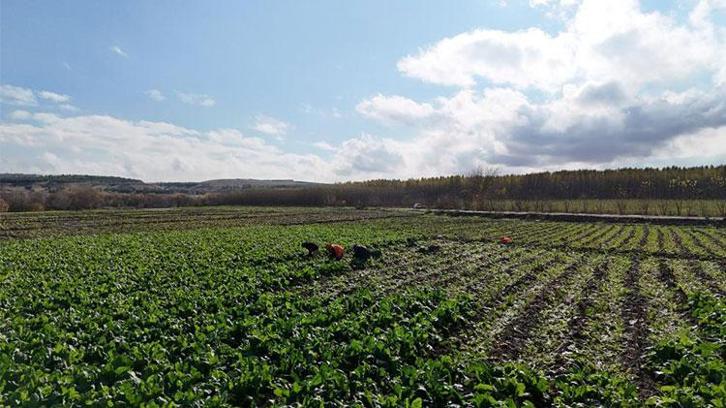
(222, 307)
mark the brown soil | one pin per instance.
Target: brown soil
(514, 336)
(707, 279)
(635, 318)
(577, 324)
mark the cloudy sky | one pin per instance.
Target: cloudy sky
(331, 90)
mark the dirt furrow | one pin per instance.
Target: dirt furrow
(698, 243)
(679, 244)
(624, 252)
(510, 341)
(583, 240)
(635, 318)
(561, 233)
(470, 332)
(626, 240)
(466, 277)
(430, 275)
(644, 239)
(604, 239)
(666, 276)
(661, 240)
(707, 279)
(713, 241)
(576, 325)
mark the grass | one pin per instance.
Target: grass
(692, 207)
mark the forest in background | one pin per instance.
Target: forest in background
(651, 191)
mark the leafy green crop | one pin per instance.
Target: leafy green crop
(692, 368)
(243, 317)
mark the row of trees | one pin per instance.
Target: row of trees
(706, 182)
(474, 190)
(81, 197)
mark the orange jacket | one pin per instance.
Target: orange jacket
(335, 250)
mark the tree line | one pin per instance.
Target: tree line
(479, 189)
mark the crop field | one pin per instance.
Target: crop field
(223, 307)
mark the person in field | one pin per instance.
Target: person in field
(311, 247)
(335, 251)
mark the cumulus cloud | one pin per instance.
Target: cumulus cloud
(394, 109)
(68, 107)
(589, 126)
(604, 41)
(100, 144)
(196, 99)
(368, 155)
(595, 94)
(324, 146)
(54, 97)
(118, 51)
(19, 96)
(20, 115)
(155, 94)
(270, 126)
(523, 58)
(637, 129)
(616, 86)
(705, 143)
(15, 95)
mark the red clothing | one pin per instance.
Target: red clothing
(335, 250)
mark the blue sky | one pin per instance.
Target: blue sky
(321, 90)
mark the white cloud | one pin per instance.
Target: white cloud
(118, 51)
(15, 95)
(617, 86)
(20, 115)
(524, 58)
(68, 107)
(99, 144)
(196, 99)
(704, 143)
(270, 126)
(324, 146)
(394, 109)
(589, 126)
(53, 97)
(603, 41)
(155, 95)
(370, 156)
(595, 94)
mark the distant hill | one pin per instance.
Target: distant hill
(35, 182)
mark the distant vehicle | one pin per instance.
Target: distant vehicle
(418, 205)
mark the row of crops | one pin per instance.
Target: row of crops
(568, 314)
(43, 224)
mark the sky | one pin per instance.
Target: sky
(329, 90)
